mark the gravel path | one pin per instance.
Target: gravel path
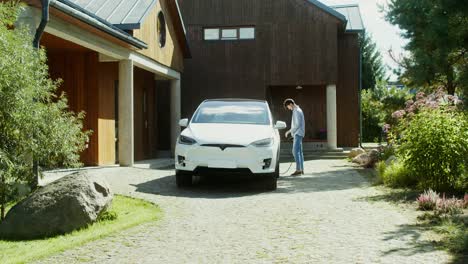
(322, 217)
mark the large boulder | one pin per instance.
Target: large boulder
(361, 159)
(373, 158)
(67, 204)
(355, 152)
(368, 159)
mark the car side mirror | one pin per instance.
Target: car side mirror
(280, 125)
(183, 122)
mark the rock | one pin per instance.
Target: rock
(67, 204)
(361, 159)
(373, 158)
(355, 152)
(390, 160)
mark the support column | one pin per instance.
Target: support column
(125, 126)
(175, 112)
(331, 117)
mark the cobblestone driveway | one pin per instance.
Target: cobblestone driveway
(322, 217)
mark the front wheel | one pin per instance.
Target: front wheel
(183, 178)
(270, 183)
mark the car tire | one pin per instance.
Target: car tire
(183, 178)
(276, 174)
(270, 183)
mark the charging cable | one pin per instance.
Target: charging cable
(291, 163)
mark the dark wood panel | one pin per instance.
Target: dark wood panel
(144, 103)
(296, 43)
(311, 99)
(348, 91)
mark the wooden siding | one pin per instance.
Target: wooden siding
(169, 55)
(75, 70)
(89, 86)
(295, 43)
(347, 91)
(108, 76)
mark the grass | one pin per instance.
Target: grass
(130, 212)
(452, 230)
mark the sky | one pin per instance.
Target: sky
(385, 35)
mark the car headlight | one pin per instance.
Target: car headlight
(186, 140)
(267, 142)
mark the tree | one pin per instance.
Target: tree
(437, 31)
(34, 121)
(373, 69)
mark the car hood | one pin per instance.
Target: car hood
(237, 134)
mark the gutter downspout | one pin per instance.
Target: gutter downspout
(360, 92)
(36, 41)
(43, 24)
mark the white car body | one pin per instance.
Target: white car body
(230, 145)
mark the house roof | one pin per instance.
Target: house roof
(81, 14)
(328, 9)
(124, 14)
(115, 16)
(353, 16)
(348, 14)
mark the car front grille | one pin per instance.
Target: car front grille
(223, 146)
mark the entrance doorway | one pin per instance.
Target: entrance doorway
(311, 99)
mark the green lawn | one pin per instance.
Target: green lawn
(130, 212)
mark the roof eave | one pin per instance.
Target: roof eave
(329, 10)
(83, 15)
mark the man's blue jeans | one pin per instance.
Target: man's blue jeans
(297, 153)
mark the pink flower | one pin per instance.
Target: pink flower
(398, 114)
(420, 96)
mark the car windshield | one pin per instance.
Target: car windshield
(232, 112)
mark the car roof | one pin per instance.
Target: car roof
(234, 100)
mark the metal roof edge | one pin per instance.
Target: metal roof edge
(148, 10)
(329, 10)
(97, 22)
(343, 6)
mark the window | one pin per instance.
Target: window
(247, 33)
(231, 33)
(161, 29)
(233, 112)
(211, 34)
(228, 34)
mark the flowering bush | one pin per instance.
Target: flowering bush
(434, 148)
(428, 200)
(451, 206)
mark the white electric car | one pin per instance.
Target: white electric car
(229, 135)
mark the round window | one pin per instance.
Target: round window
(161, 29)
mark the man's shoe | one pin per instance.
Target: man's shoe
(297, 173)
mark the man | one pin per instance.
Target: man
(297, 131)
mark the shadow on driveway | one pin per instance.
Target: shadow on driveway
(227, 186)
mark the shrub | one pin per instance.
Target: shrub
(428, 200)
(380, 168)
(107, 215)
(397, 175)
(386, 152)
(451, 206)
(434, 148)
